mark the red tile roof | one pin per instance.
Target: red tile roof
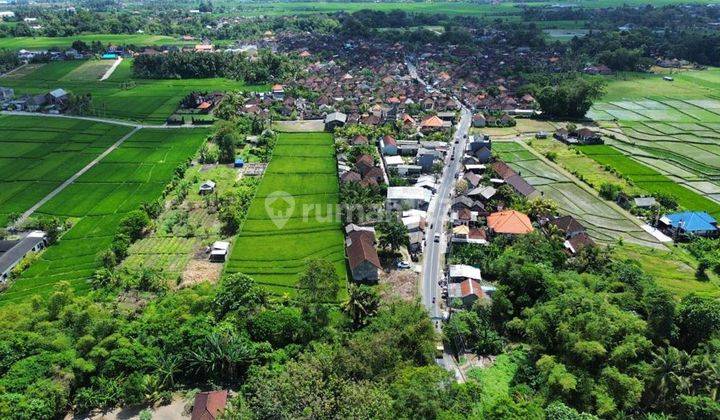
(510, 222)
(209, 405)
(362, 248)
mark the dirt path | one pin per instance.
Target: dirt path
(73, 178)
(111, 70)
(13, 70)
(101, 120)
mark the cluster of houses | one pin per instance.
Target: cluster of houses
(53, 102)
(583, 135)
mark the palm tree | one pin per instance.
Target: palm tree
(362, 303)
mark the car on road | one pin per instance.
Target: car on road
(452, 157)
(437, 237)
(402, 265)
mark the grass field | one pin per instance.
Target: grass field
(303, 166)
(121, 96)
(651, 180)
(603, 222)
(42, 43)
(37, 154)
(673, 269)
(136, 172)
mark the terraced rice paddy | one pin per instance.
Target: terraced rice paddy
(136, 172)
(650, 179)
(672, 128)
(121, 96)
(303, 167)
(604, 222)
(37, 154)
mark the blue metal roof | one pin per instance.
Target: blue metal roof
(692, 221)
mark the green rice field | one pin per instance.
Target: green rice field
(37, 154)
(134, 173)
(650, 179)
(42, 42)
(302, 167)
(603, 222)
(671, 128)
(119, 97)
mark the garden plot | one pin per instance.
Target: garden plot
(603, 222)
(37, 154)
(97, 202)
(274, 251)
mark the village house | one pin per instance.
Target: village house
(458, 273)
(468, 291)
(207, 187)
(509, 222)
(362, 255)
(334, 120)
(512, 178)
(689, 223)
(12, 252)
(209, 405)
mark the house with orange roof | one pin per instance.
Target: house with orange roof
(469, 291)
(509, 222)
(278, 92)
(432, 123)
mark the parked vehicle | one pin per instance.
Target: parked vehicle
(403, 265)
(437, 237)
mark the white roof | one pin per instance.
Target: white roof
(409, 193)
(411, 221)
(475, 166)
(394, 160)
(221, 246)
(465, 271)
(426, 184)
(208, 184)
(414, 212)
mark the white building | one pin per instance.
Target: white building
(404, 198)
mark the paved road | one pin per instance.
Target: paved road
(433, 261)
(100, 120)
(437, 215)
(73, 178)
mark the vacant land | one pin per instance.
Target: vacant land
(603, 222)
(37, 154)
(135, 173)
(273, 250)
(650, 180)
(121, 96)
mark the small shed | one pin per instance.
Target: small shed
(219, 251)
(207, 187)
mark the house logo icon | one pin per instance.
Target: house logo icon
(279, 206)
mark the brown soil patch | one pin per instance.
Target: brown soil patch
(198, 271)
(401, 284)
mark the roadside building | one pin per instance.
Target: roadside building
(468, 291)
(404, 198)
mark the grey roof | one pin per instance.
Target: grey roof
(11, 252)
(645, 201)
(336, 116)
(58, 93)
